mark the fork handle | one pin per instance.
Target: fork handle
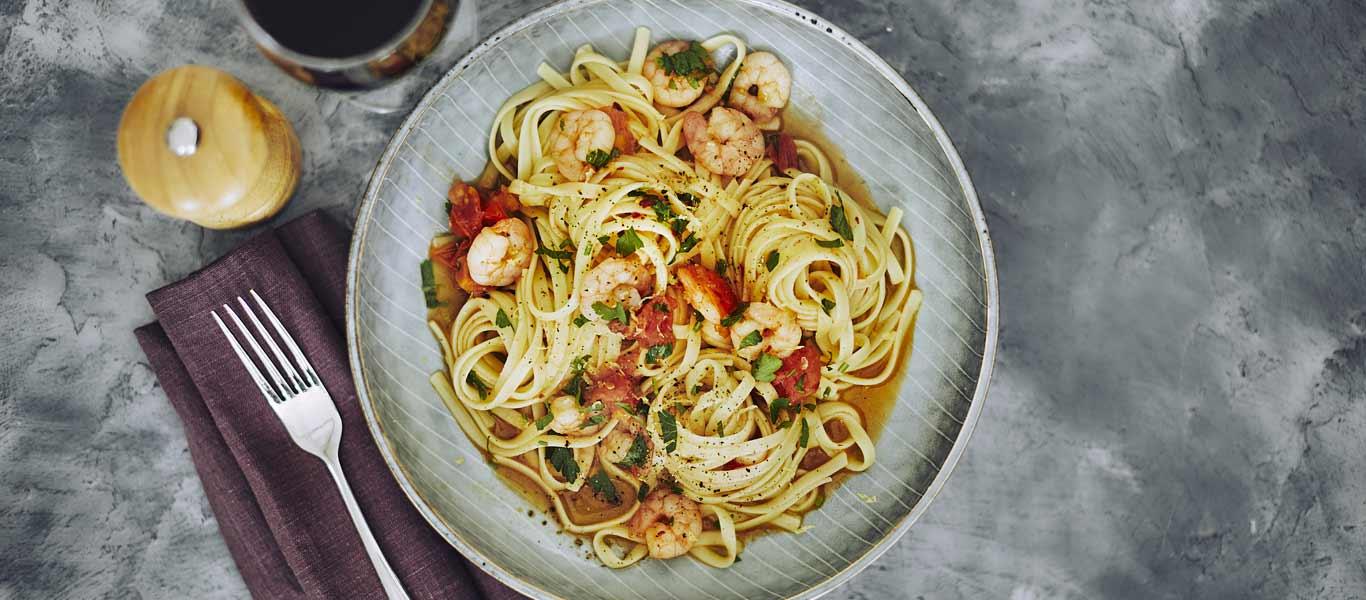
(392, 587)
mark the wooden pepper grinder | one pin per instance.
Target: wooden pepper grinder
(196, 144)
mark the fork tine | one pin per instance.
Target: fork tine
(266, 390)
(296, 383)
(285, 391)
(310, 376)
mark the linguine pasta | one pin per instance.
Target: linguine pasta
(661, 342)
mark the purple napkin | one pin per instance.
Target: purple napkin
(282, 518)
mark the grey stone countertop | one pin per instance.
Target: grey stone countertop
(1177, 194)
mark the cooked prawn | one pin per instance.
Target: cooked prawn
(500, 253)
(677, 89)
(613, 282)
(726, 143)
(707, 292)
(581, 133)
(779, 333)
(761, 87)
(670, 523)
(568, 418)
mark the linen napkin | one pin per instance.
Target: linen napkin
(282, 517)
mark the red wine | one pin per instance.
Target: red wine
(333, 28)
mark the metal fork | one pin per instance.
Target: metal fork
(304, 406)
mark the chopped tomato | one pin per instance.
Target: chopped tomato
(651, 326)
(783, 151)
(612, 385)
(466, 210)
(625, 142)
(499, 205)
(800, 375)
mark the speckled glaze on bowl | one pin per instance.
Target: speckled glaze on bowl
(889, 137)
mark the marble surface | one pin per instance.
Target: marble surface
(1177, 195)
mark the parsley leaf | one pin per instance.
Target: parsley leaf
(599, 158)
(827, 305)
(580, 363)
(628, 242)
(775, 407)
(721, 267)
(772, 261)
(563, 461)
(689, 243)
(661, 307)
(502, 320)
(805, 436)
(478, 384)
(635, 456)
(690, 63)
(735, 315)
(555, 254)
(840, 223)
(753, 338)
(684, 197)
(657, 352)
(429, 285)
(835, 243)
(544, 421)
(612, 313)
(603, 487)
(766, 367)
(668, 429)
(580, 321)
(642, 492)
(663, 212)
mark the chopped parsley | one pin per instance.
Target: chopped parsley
(827, 305)
(685, 198)
(628, 242)
(840, 223)
(544, 421)
(663, 212)
(668, 429)
(766, 367)
(735, 315)
(564, 257)
(772, 261)
(599, 158)
(689, 243)
(805, 435)
(603, 239)
(690, 63)
(753, 338)
(429, 285)
(577, 386)
(612, 313)
(580, 321)
(603, 487)
(555, 254)
(775, 407)
(502, 320)
(835, 243)
(721, 267)
(635, 456)
(658, 352)
(642, 492)
(661, 307)
(478, 384)
(563, 461)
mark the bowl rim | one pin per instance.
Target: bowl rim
(781, 8)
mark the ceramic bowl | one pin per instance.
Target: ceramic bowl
(888, 136)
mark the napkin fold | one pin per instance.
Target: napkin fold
(280, 514)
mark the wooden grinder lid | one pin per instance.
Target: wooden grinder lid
(196, 144)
